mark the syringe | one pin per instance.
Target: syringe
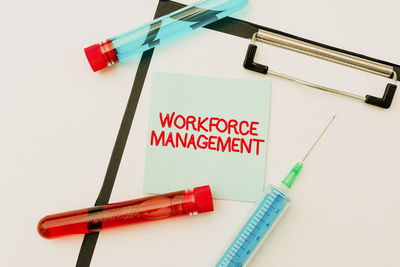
(263, 218)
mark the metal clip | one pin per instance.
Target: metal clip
(324, 53)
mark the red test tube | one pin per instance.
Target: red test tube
(185, 202)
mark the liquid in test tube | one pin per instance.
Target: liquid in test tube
(180, 22)
(185, 202)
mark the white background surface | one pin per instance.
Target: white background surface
(59, 122)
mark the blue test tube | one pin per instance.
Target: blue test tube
(182, 21)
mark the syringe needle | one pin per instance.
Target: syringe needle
(319, 137)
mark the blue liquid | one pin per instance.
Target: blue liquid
(254, 231)
(173, 25)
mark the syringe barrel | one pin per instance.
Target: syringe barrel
(256, 228)
(160, 30)
(186, 202)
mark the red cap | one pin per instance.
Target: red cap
(203, 199)
(96, 58)
(101, 55)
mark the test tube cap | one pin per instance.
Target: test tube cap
(96, 58)
(203, 199)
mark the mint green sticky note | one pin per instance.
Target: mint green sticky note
(207, 131)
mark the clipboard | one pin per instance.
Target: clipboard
(228, 25)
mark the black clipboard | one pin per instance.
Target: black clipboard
(228, 25)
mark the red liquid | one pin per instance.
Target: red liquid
(133, 211)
